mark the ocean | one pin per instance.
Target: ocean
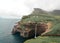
(6, 26)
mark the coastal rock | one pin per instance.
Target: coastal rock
(30, 29)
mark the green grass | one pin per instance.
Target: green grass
(39, 18)
(55, 29)
(44, 39)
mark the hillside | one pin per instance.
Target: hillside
(45, 39)
(39, 16)
(56, 12)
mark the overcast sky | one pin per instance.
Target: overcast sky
(18, 8)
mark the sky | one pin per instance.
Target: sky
(19, 8)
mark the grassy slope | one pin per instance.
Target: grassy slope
(47, 39)
(39, 18)
(44, 17)
(41, 39)
(55, 29)
(51, 39)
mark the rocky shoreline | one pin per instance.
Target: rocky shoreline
(30, 29)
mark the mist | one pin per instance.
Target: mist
(19, 8)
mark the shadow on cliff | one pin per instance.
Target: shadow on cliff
(19, 39)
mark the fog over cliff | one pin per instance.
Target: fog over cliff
(18, 8)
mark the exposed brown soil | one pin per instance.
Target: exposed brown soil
(30, 29)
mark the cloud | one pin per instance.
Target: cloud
(18, 8)
(14, 8)
(47, 5)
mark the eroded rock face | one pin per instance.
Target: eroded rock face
(41, 28)
(30, 29)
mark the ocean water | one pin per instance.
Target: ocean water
(6, 26)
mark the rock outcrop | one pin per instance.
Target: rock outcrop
(34, 24)
(30, 29)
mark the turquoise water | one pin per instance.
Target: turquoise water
(6, 26)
